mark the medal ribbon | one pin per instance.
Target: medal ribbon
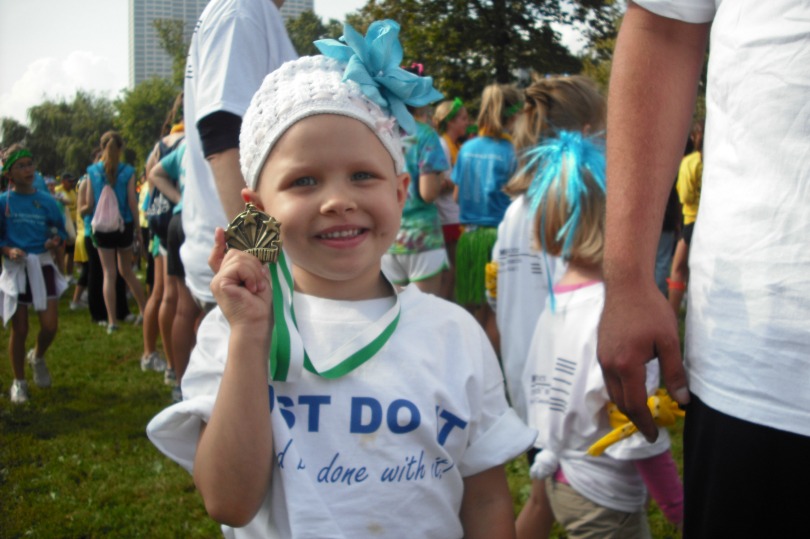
(287, 354)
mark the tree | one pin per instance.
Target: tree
(141, 113)
(308, 27)
(63, 134)
(175, 41)
(467, 44)
(12, 132)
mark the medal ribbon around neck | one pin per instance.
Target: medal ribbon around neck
(287, 353)
(256, 233)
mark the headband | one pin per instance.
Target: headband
(458, 104)
(514, 109)
(14, 157)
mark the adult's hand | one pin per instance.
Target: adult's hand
(638, 325)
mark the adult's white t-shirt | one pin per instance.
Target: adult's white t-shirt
(747, 346)
(524, 277)
(382, 451)
(567, 405)
(235, 45)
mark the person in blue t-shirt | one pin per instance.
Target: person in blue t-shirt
(483, 167)
(31, 224)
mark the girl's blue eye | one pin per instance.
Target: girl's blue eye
(362, 176)
(306, 181)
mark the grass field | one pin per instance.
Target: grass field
(75, 461)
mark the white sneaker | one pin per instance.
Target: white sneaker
(170, 378)
(77, 305)
(19, 391)
(42, 377)
(153, 362)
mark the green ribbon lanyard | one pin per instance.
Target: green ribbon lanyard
(287, 354)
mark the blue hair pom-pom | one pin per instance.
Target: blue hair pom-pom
(571, 153)
(373, 62)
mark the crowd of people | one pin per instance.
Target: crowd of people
(449, 293)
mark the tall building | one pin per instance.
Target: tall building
(293, 8)
(146, 57)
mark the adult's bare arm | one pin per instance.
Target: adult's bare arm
(158, 177)
(229, 180)
(656, 68)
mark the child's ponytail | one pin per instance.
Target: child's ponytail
(553, 104)
(499, 103)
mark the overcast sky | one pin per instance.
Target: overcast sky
(51, 48)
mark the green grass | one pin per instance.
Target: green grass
(75, 460)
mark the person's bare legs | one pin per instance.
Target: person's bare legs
(16, 341)
(150, 314)
(48, 325)
(449, 275)
(107, 257)
(184, 335)
(166, 315)
(126, 271)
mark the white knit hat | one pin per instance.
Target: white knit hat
(305, 87)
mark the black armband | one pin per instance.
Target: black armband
(219, 131)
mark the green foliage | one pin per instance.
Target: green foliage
(62, 134)
(175, 42)
(141, 113)
(11, 132)
(308, 27)
(466, 45)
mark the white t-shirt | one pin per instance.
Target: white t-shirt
(747, 334)
(521, 294)
(235, 45)
(568, 399)
(380, 452)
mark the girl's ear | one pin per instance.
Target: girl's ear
(402, 188)
(251, 196)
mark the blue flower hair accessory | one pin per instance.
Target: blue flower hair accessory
(373, 62)
(570, 153)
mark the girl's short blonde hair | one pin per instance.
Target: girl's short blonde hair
(554, 210)
(498, 104)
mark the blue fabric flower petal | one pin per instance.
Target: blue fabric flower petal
(374, 62)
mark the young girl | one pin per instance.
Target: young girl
(483, 167)
(571, 103)
(386, 415)
(568, 402)
(31, 224)
(418, 255)
(525, 274)
(115, 248)
(451, 121)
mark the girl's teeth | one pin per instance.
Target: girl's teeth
(341, 234)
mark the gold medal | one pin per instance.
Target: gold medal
(256, 233)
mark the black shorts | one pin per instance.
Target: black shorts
(115, 240)
(175, 237)
(742, 479)
(50, 286)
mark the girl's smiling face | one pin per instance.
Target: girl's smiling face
(332, 185)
